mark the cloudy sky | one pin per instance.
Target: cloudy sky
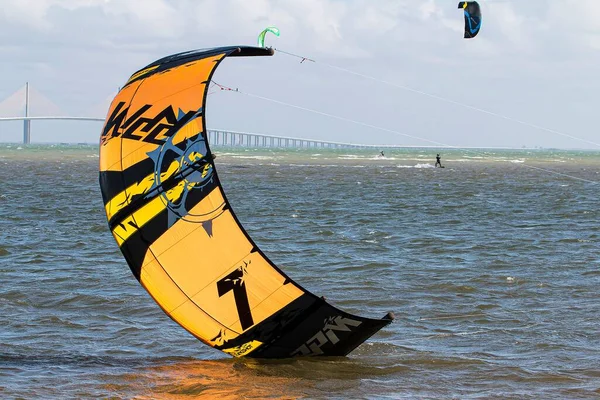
(535, 64)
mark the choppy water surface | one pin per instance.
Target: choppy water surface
(491, 265)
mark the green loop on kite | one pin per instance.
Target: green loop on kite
(261, 36)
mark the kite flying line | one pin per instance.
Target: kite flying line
(439, 98)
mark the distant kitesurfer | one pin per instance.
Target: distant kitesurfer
(381, 154)
(437, 161)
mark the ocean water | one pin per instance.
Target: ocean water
(491, 266)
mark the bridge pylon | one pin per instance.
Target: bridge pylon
(27, 121)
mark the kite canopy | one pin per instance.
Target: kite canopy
(169, 215)
(261, 36)
(472, 18)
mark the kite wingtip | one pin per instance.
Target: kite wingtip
(390, 316)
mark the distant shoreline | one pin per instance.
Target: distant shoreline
(359, 147)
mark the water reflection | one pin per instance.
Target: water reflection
(222, 379)
(260, 379)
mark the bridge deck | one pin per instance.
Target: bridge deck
(216, 137)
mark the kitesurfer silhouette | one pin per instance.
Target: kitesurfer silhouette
(437, 161)
(382, 155)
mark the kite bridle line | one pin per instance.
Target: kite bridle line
(440, 98)
(479, 153)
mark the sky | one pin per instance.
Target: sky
(529, 79)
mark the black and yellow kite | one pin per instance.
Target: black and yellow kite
(472, 18)
(169, 215)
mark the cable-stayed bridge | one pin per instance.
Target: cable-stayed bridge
(27, 101)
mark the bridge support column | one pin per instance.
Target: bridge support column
(26, 131)
(27, 122)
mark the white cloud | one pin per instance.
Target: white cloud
(77, 52)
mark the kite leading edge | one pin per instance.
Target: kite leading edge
(168, 212)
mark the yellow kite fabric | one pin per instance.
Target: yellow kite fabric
(169, 215)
